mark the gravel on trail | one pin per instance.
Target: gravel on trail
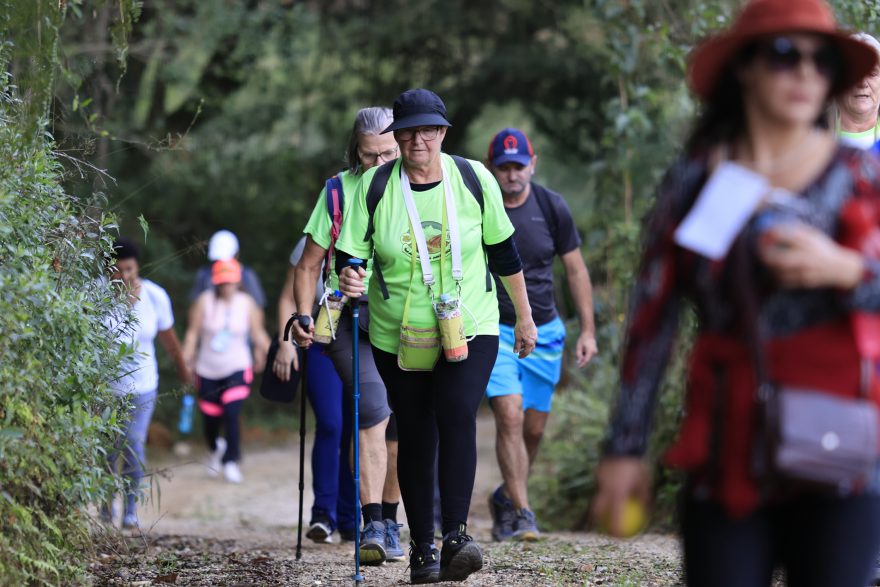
(200, 531)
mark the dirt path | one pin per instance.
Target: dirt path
(203, 531)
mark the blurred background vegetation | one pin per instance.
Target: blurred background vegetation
(199, 115)
(231, 113)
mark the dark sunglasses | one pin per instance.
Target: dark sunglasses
(781, 54)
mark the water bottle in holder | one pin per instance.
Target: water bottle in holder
(452, 337)
(187, 403)
(332, 304)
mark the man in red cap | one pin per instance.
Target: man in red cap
(521, 391)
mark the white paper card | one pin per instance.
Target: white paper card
(722, 209)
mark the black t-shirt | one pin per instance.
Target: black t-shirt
(537, 247)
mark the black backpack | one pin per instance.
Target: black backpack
(471, 181)
(377, 190)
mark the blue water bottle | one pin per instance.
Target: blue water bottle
(185, 423)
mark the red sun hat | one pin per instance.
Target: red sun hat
(761, 18)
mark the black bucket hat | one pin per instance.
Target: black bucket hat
(418, 108)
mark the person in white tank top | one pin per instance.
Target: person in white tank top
(222, 322)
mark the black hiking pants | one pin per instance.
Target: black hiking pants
(438, 409)
(818, 541)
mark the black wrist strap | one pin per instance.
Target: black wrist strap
(288, 326)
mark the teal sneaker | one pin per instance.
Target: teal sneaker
(393, 552)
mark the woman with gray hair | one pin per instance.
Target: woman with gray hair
(379, 492)
(859, 107)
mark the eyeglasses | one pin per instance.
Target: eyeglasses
(385, 156)
(428, 133)
(781, 55)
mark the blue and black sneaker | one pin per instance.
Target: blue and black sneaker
(372, 548)
(460, 555)
(503, 516)
(393, 552)
(424, 563)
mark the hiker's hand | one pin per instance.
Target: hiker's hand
(619, 479)
(285, 356)
(185, 374)
(525, 335)
(801, 256)
(304, 338)
(585, 348)
(351, 282)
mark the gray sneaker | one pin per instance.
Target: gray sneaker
(525, 528)
(130, 521)
(393, 552)
(503, 517)
(372, 548)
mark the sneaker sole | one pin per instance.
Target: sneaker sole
(466, 561)
(392, 556)
(432, 577)
(527, 536)
(372, 554)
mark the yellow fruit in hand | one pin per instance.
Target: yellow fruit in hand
(633, 520)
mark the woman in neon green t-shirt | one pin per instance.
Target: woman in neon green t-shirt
(859, 106)
(428, 231)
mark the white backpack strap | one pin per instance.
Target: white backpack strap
(418, 233)
(454, 234)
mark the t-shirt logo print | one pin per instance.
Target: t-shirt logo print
(511, 145)
(433, 238)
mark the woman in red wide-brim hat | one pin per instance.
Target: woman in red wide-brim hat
(765, 85)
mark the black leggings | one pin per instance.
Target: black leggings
(819, 541)
(230, 421)
(432, 407)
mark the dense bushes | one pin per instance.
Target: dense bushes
(56, 414)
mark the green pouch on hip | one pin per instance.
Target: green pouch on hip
(419, 348)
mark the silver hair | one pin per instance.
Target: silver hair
(368, 121)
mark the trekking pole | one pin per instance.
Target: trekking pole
(302, 448)
(356, 396)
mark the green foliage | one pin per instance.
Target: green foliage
(57, 416)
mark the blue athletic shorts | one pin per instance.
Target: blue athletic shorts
(536, 376)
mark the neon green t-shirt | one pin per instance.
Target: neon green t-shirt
(392, 243)
(319, 224)
(861, 140)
